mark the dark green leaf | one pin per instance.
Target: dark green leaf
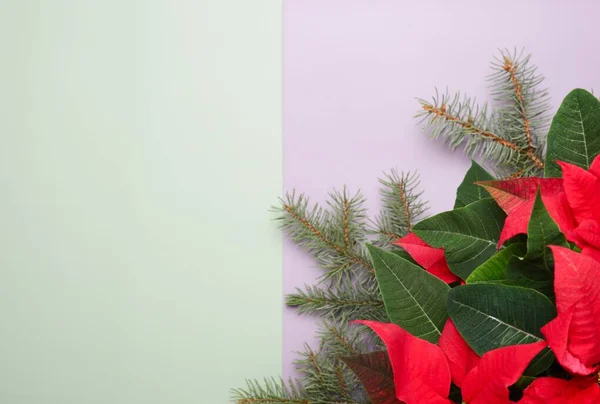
(574, 136)
(468, 191)
(490, 316)
(507, 267)
(469, 235)
(542, 231)
(414, 299)
(532, 273)
(404, 255)
(494, 269)
(523, 382)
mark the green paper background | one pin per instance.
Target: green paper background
(141, 149)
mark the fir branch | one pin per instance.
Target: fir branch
(462, 122)
(359, 300)
(512, 136)
(512, 68)
(523, 108)
(402, 207)
(333, 236)
(327, 379)
(271, 391)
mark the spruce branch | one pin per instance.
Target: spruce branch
(358, 300)
(271, 391)
(334, 236)
(402, 206)
(461, 122)
(326, 378)
(510, 136)
(523, 107)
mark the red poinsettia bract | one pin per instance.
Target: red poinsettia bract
(517, 197)
(423, 371)
(582, 189)
(574, 335)
(551, 390)
(430, 258)
(571, 201)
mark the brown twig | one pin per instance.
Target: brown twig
(402, 189)
(313, 359)
(511, 68)
(517, 174)
(346, 230)
(342, 383)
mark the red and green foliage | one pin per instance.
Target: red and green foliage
(504, 304)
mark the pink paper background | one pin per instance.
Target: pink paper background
(352, 70)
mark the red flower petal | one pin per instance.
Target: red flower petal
(516, 197)
(591, 252)
(516, 222)
(421, 372)
(488, 382)
(511, 194)
(550, 390)
(586, 234)
(583, 190)
(587, 237)
(595, 167)
(574, 335)
(430, 258)
(557, 334)
(461, 357)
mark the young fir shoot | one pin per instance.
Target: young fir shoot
(334, 236)
(510, 135)
(401, 207)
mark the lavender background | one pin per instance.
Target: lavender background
(352, 70)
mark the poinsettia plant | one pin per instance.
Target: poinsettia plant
(498, 300)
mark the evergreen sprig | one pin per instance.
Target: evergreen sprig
(354, 300)
(334, 236)
(326, 378)
(510, 136)
(401, 206)
(271, 391)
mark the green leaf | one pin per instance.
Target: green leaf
(532, 273)
(467, 191)
(404, 255)
(574, 136)
(494, 269)
(507, 267)
(414, 299)
(524, 382)
(490, 316)
(468, 235)
(542, 231)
